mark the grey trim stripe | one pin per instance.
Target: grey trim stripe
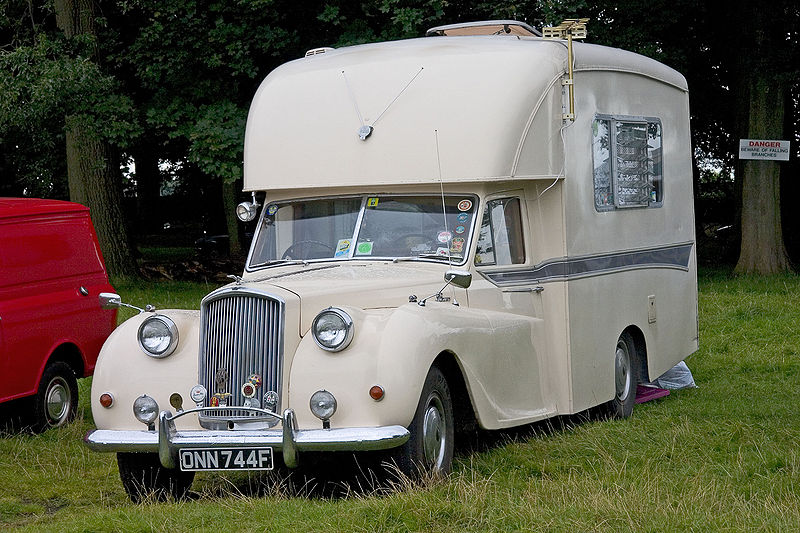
(673, 256)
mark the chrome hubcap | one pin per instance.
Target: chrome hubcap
(57, 401)
(622, 371)
(434, 432)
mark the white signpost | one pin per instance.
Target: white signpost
(764, 149)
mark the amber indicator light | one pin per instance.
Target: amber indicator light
(106, 400)
(376, 392)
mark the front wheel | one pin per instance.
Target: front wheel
(429, 449)
(56, 401)
(144, 477)
(626, 377)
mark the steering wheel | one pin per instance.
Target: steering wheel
(290, 252)
(412, 239)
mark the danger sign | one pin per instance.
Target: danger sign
(763, 149)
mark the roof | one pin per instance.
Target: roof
(21, 207)
(453, 109)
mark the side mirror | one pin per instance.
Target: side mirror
(459, 278)
(109, 300)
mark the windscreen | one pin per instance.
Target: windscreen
(412, 227)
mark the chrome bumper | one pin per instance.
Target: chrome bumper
(289, 440)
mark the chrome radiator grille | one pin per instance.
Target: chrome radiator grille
(241, 335)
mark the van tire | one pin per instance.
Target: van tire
(429, 449)
(144, 477)
(626, 378)
(56, 401)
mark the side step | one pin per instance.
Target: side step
(645, 393)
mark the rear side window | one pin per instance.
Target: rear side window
(627, 157)
(500, 241)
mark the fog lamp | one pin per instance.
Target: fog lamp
(158, 336)
(332, 329)
(145, 409)
(323, 405)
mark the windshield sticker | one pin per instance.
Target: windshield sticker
(465, 205)
(442, 251)
(462, 217)
(444, 236)
(342, 248)
(364, 248)
(272, 209)
(372, 202)
(457, 245)
(460, 229)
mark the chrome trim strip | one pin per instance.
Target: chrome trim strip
(290, 441)
(674, 256)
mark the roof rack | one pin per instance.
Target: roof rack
(485, 27)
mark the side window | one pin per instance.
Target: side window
(627, 160)
(500, 239)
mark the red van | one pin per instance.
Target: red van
(51, 323)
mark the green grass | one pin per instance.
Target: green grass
(722, 457)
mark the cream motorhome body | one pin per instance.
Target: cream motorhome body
(567, 243)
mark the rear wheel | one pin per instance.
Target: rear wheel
(144, 477)
(626, 377)
(56, 401)
(429, 449)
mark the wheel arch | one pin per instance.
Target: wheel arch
(641, 351)
(69, 354)
(463, 408)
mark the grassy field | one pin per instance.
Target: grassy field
(722, 457)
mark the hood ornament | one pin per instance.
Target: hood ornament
(235, 278)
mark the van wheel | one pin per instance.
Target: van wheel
(144, 477)
(429, 449)
(56, 401)
(626, 378)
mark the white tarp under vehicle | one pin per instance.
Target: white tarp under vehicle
(550, 185)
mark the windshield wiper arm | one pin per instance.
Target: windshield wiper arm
(285, 261)
(424, 256)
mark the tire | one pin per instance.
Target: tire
(56, 401)
(429, 449)
(144, 477)
(626, 378)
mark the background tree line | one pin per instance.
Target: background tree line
(137, 107)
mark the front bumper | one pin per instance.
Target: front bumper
(167, 440)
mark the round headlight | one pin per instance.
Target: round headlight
(332, 329)
(323, 404)
(158, 336)
(145, 409)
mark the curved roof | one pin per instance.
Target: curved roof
(20, 207)
(455, 108)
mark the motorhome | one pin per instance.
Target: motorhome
(485, 226)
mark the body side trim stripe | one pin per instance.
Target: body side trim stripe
(672, 256)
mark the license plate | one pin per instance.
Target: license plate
(199, 459)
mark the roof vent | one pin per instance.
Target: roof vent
(485, 27)
(316, 51)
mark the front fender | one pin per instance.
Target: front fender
(126, 372)
(391, 348)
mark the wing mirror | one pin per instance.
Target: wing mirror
(459, 278)
(110, 300)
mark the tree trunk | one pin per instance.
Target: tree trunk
(93, 170)
(762, 247)
(94, 181)
(231, 221)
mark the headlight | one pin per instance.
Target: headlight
(332, 329)
(145, 409)
(158, 336)
(323, 404)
